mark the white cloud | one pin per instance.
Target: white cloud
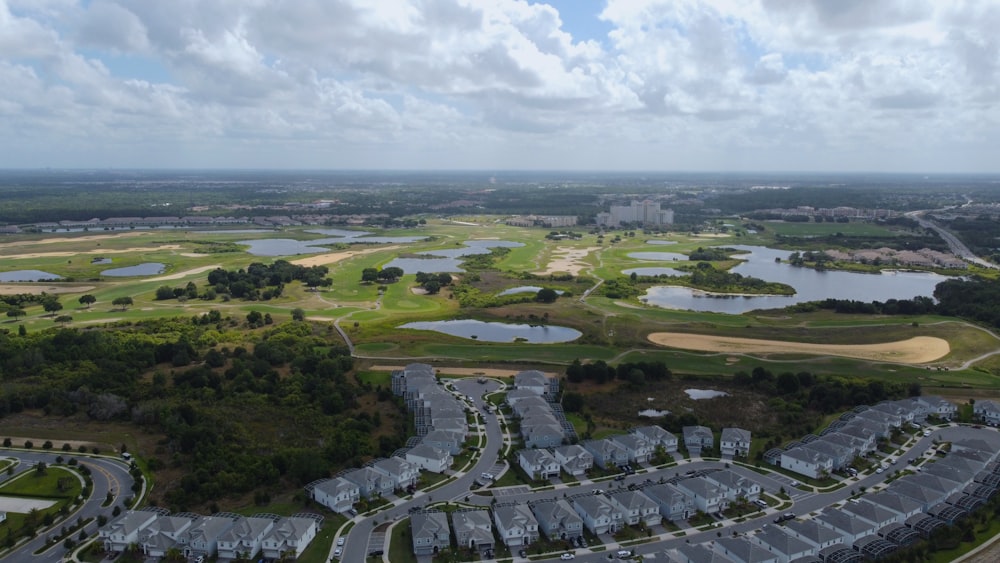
(465, 83)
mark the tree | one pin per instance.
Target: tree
(546, 295)
(369, 275)
(87, 300)
(298, 314)
(390, 274)
(63, 319)
(164, 292)
(16, 313)
(52, 306)
(123, 302)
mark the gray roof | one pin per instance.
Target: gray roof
(781, 542)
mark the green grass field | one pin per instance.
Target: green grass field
(613, 330)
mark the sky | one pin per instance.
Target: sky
(616, 85)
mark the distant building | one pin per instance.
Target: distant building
(636, 213)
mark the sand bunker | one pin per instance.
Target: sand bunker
(40, 289)
(569, 260)
(54, 240)
(190, 272)
(334, 257)
(916, 350)
(100, 251)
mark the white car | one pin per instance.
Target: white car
(567, 556)
(340, 541)
(337, 552)
(927, 433)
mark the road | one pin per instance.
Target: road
(804, 501)
(956, 246)
(357, 546)
(108, 474)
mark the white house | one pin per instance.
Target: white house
(370, 483)
(538, 464)
(707, 496)
(450, 442)
(787, 547)
(734, 485)
(599, 515)
(244, 538)
(473, 529)
(402, 473)
(557, 519)
(742, 550)
(338, 494)
(515, 524)
(987, 411)
(431, 532)
(117, 535)
(674, 503)
(735, 442)
(813, 533)
(808, 462)
(698, 438)
(429, 458)
(574, 459)
(657, 436)
(289, 535)
(607, 454)
(202, 538)
(847, 524)
(637, 449)
(636, 508)
(162, 534)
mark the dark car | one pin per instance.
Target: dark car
(784, 518)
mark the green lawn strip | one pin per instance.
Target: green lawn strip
(983, 535)
(319, 548)
(401, 544)
(30, 484)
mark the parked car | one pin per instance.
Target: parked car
(340, 541)
(338, 552)
(567, 556)
(784, 518)
(761, 503)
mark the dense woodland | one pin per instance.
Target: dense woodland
(240, 411)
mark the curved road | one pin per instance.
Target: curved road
(107, 474)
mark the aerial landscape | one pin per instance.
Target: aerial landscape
(499, 281)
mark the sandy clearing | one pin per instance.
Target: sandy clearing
(100, 251)
(916, 350)
(568, 260)
(39, 289)
(23, 505)
(190, 272)
(55, 240)
(334, 257)
(468, 371)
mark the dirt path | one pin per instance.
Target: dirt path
(916, 350)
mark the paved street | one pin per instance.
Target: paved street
(108, 474)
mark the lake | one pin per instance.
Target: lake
(447, 259)
(809, 284)
(661, 242)
(427, 265)
(147, 269)
(27, 276)
(286, 246)
(658, 256)
(499, 332)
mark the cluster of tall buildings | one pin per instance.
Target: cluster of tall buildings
(646, 213)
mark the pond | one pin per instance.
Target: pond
(447, 259)
(27, 276)
(427, 265)
(525, 289)
(286, 246)
(701, 394)
(100, 261)
(809, 284)
(653, 271)
(147, 269)
(499, 332)
(659, 256)
(661, 242)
